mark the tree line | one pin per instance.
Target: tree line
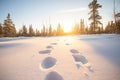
(8, 29)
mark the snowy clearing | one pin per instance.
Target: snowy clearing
(80, 57)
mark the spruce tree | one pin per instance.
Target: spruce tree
(94, 15)
(60, 31)
(37, 32)
(9, 29)
(50, 30)
(1, 30)
(24, 31)
(31, 31)
(82, 27)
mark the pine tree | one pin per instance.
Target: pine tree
(31, 31)
(60, 31)
(101, 30)
(107, 28)
(43, 31)
(94, 15)
(1, 30)
(20, 32)
(117, 23)
(24, 31)
(76, 29)
(54, 32)
(82, 27)
(9, 29)
(112, 27)
(50, 30)
(38, 32)
(86, 30)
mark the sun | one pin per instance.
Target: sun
(67, 29)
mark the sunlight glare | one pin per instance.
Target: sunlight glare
(67, 26)
(67, 29)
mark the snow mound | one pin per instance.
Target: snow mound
(74, 51)
(45, 52)
(48, 62)
(80, 58)
(53, 76)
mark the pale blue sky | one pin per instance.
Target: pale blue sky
(39, 12)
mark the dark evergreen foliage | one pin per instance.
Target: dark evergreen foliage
(94, 16)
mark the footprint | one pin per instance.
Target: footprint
(53, 76)
(49, 47)
(86, 75)
(53, 43)
(45, 52)
(80, 58)
(48, 63)
(74, 51)
(78, 66)
(67, 44)
(90, 69)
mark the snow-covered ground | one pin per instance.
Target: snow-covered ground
(80, 57)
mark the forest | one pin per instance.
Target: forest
(8, 28)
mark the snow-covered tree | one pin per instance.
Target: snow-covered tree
(9, 29)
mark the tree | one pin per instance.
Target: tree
(82, 27)
(86, 30)
(117, 23)
(9, 29)
(20, 32)
(94, 14)
(37, 32)
(43, 31)
(31, 31)
(107, 28)
(50, 30)
(60, 31)
(24, 31)
(1, 30)
(101, 30)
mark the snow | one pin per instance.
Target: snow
(78, 57)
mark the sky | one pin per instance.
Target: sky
(45, 12)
